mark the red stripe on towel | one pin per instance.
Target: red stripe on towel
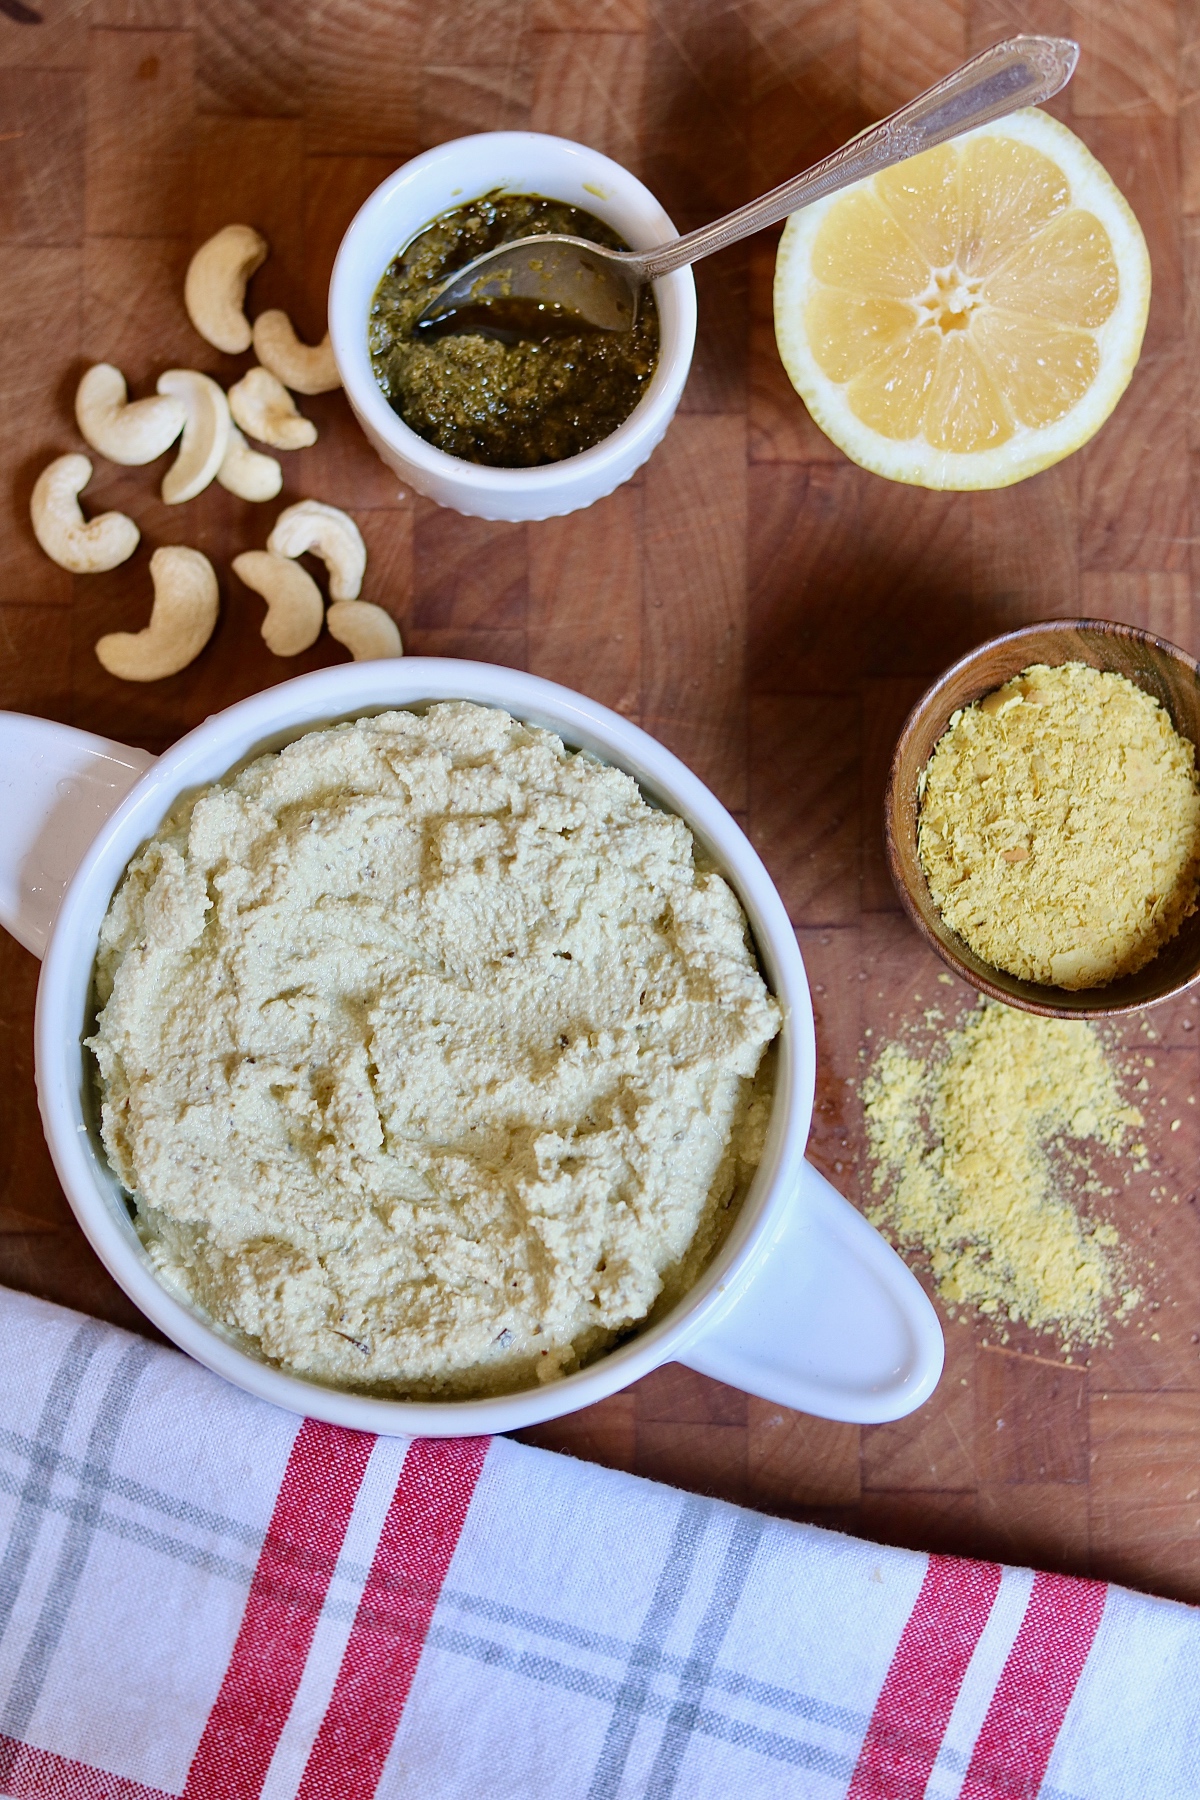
(1035, 1688)
(922, 1684)
(28, 1773)
(295, 1566)
(419, 1537)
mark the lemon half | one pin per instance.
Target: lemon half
(970, 316)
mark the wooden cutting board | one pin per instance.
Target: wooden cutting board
(765, 608)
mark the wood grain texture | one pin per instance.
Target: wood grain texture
(766, 608)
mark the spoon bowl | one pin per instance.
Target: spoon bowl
(1162, 670)
(535, 284)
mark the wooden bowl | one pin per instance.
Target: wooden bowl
(1158, 667)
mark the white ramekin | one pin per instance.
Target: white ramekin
(521, 162)
(804, 1304)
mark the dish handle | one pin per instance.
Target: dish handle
(833, 1323)
(57, 787)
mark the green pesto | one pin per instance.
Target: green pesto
(510, 404)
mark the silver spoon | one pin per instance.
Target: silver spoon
(554, 279)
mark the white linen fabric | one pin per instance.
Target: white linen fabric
(202, 1596)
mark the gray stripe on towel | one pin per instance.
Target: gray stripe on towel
(706, 1647)
(547, 1671)
(31, 1509)
(600, 1643)
(630, 1702)
(72, 1557)
(70, 1506)
(607, 1691)
(136, 1492)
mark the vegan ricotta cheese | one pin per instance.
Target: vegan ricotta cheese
(430, 1053)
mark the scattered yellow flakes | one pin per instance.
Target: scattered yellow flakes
(1060, 826)
(960, 1149)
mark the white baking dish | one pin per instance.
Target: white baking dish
(804, 1305)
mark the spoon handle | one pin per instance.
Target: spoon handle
(1022, 71)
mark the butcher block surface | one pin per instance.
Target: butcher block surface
(765, 608)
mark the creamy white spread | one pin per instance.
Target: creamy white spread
(429, 1056)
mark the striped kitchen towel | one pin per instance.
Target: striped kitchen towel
(203, 1597)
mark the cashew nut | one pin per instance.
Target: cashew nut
(248, 473)
(264, 409)
(330, 534)
(305, 368)
(205, 435)
(215, 288)
(295, 607)
(85, 546)
(181, 620)
(368, 633)
(126, 431)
